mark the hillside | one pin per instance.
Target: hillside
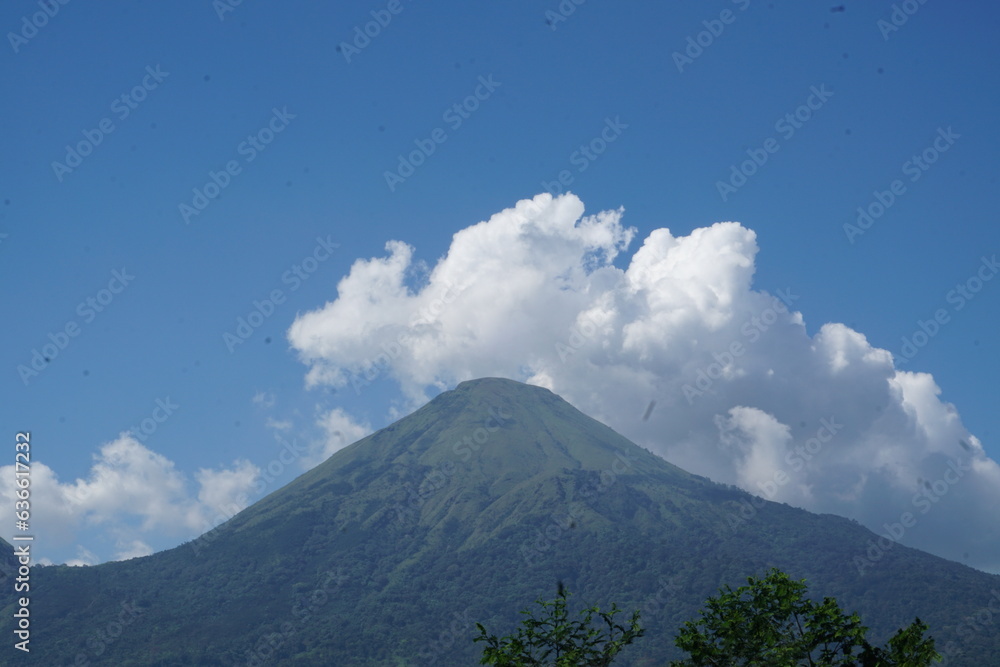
(468, 510)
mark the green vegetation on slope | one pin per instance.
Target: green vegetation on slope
(385, 553)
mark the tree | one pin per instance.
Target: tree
(554, 639)
(770, 623)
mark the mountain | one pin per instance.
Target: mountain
(468, 510)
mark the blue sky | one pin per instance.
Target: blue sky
(204, 82)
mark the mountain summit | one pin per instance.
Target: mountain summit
(468, 510)
(473, 455)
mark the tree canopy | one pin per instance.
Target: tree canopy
(553, 638)
(770, 623)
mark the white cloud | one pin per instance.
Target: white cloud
(758, 444)
(279, 425)
(741, 388)
(264, 399)
(132, 549)
(221, 490)
(339, 430)
(84, 557)
(471, 302)
(130, 493)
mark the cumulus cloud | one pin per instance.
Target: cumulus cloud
(743, 394)
(470, 300)
(219, 489)
(130, 494)
(339, 430)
